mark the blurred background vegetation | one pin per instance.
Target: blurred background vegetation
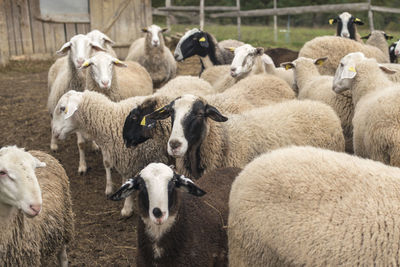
(260, 28)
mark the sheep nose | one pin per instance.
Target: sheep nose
(36, 209)
(233, 69)
(174, 144)
(396, 52)
(80, 61)
(157, 213)
(176, 56)
(104, 82)
(345, 35)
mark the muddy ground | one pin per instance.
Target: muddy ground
(102, 237)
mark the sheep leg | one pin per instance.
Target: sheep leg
(62, 257)
(82, 160)
(53, 144)
(95, 147)
(127, 210)
(107, 166)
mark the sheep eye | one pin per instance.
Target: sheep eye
(62, 109)
(341, 65)
(2, 173)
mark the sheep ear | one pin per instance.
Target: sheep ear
(159, 114)
(231, 49)
(203, 42)
(95, 46)
(358, 21)
(38, 163)
(366, 37)
(288, 65)
(267, 60)
(118, 63)
(86, 64)
(126, 189)
(349, 72)
(388, 37)
(64, 49)
(144, 30)
(320, 61)
(72, 106)
(259, 51)
(386, 69)
(332, 21)
(214, 114)
(108, 40)
(188, 186)
(164, 30)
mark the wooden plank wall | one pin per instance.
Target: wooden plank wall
(127, 27)
(23, 36)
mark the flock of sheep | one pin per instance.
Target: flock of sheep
(270, 143)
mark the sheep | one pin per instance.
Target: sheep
(306, 206)
(346, 26)
(376, 100)
(154, 56)
(177, 229)
(393, 53)
(312, 85)
(335, 48)
(116, 83)
(102, 39)
(69, 77)
(284, 74)
(242, 66)
(200, 143)
(280, 55)
(379, 39)
(33, 184)
(204, 44)
(102, 119)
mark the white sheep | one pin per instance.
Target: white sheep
(103, 40)
(335, 48)
(346, 26)
(310, 84)
(154, 56)
(379, 39)
(306, 206)
(127, 80)
(33, 184)
(102, 119)
(176, 221)
(376, 120)
(200, 142)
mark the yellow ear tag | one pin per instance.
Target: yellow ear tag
(320, 62)
(232, 49)
(66, 110)
(357, 20)
(288, 67)
(202, 39)
(352, 69)
(143, 122)
(117, 61)
(85, 64)
(160, 109)
(331, 21)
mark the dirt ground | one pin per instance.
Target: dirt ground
(102, 236)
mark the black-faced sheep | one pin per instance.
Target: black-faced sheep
(177, 228)
(346, 26)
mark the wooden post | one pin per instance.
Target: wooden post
(239, 20)
(168, 4)
(201, 15)
(370, 17)
(4, 46)
(275, 25)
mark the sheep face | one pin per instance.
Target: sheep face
(194, 42)
(397, 49)
(346, 25)
(154, 35)
(158, 198)
(80, 48)
(100, 38)
(346, 72)
(18, 183)
(63, 121)
(102, 68)
(189, 115)
(244, 59)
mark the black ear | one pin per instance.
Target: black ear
(358, 21)
(366, 37)
(214, 114)
(126, 189)
(188, 185)
(203, 41)
(159, 114)
(388, 37)
(333, 21)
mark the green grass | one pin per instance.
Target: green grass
(264, 35)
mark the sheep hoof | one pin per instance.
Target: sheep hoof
(109, 190)
(126, 212)
(54, 147)
(95, 147)
(82, 170)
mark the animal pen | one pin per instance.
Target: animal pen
(36, 29)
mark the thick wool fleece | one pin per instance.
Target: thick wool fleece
(133, 80)
(335, 48)
(314, 86)
(305, 206)
(25, 241)
(244, 136)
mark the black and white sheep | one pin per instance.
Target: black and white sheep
(346, 26)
